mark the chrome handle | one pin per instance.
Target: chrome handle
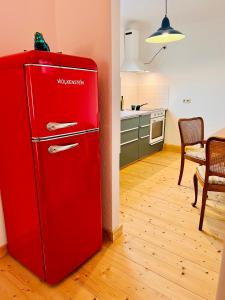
(132, 141)
(144, 126)
(55, 149)
(144, 137)
(127, 130)
(55, 126)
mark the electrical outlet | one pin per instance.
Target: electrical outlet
(187, 101)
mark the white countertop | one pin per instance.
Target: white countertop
(125, 114)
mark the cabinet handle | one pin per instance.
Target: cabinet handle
(127, 130)
(132, 141)
(143, 137)
(55, 126)
(145, 126)
(55, 149)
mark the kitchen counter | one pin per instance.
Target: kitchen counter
(127, 114)
(136, 134)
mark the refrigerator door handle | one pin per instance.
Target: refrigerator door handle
(55, 126)
(55, 149)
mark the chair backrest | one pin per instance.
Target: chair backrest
(215, 157)
(191, 131)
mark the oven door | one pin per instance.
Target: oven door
(157, 127)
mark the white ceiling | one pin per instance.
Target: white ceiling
(180, 11)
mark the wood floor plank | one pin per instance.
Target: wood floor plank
(127, 286)
(177, 269)
(148, 277)
(204, 256)
(154, 220)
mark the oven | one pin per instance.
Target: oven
(157, 127)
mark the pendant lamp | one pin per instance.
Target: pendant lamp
(166, 33)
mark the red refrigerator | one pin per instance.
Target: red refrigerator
(50, 161)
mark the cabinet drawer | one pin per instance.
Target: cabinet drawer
(144, 120)
(129, 153)
(130, 123)
(128, 136)
(144, 131)
(145, 149)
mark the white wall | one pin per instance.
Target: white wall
(151, 88)
(195, 68)
(129, 89)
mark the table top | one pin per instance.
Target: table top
(220, 133)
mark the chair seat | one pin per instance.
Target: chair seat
(198, 153)
(212, 179)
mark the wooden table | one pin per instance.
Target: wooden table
(220, 133)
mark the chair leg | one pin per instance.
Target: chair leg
(204, 198)
(181, 169)
(195, 180)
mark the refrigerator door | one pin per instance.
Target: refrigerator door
(61, 100)
(68, 181)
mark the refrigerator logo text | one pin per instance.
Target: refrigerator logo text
(70, 82)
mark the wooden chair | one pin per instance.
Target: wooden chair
(212, 175)
(191, 134)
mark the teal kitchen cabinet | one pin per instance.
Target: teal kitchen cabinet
(129, 141)
(129, 124)
(144, 120)
(129, 153)
(134, 139)
(144, 135)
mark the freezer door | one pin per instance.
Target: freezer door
(68, 181)
(61, 100)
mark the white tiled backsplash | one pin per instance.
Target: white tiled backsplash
(148, 87)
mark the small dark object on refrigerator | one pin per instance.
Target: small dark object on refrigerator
(39, 42)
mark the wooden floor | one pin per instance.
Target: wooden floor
(161, 255)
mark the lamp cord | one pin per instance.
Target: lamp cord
(166, 7)
(154, 56)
